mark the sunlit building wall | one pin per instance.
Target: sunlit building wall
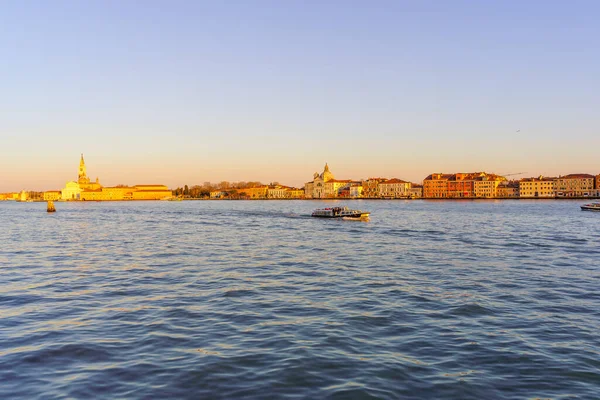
(575, 185)
(394, 188)
(537, 187)
(52, 195)
(435, 186)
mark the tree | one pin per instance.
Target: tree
(186, 191)
(224, 185)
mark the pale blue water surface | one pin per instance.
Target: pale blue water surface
(255, 299)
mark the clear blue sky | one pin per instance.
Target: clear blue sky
(180, 92)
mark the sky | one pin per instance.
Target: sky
(185, 92)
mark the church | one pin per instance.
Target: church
(324, 185)
(86, 190)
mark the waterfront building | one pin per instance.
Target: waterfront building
(435, 186)
(415, 191)
(356, 190)
(462, 185)
(394, 188)
(508, 190)
(151, 192)
(323, 185)
(371, 187)
(52, 195)
(258, 192)
(333, 187)
(486, 185)
(277, 192)
(575, 185)
(71, 191)
(283, 192)
(295, 193)
(540, 187)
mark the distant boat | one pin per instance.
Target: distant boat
(340, 212)
(591, 207)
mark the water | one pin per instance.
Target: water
(234, 299)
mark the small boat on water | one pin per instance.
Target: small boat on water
(591, 207)
(340, 212)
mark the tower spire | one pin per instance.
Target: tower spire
(82, 172)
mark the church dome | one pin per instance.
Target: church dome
(326, 175)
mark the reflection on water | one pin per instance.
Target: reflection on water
(256, 299)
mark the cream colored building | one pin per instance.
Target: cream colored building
(356, 190)
(540, 187)
(394, 188)
(486, 185)
(283, 192)
(296, 193)
(575, 185)
(316, 189)
(52, 195)
(71, 191)
(415, 191)
(334, 186)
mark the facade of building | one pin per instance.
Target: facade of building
(371, 187)
(435, 186)
(356, 190)
(540, 187)
(71, 191)
(461, 185)
(575, 185)
(415, 191)
(317, 188)
(258, 192)
(507, 190)
(52, 195)
(394, 188)
(486, 185)
(150, 192)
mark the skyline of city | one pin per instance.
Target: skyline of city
(517, 176)
(200, 91)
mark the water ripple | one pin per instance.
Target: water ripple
(469, 300)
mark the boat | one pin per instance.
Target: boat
(340, 212)
(591, 207)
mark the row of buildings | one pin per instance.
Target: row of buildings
(324, 185)
(454, 186)
(259, 192)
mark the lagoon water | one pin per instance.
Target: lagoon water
(255, 299)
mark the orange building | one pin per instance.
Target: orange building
(435, 186)
(461, 185)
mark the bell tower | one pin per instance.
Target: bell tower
(83, 179)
